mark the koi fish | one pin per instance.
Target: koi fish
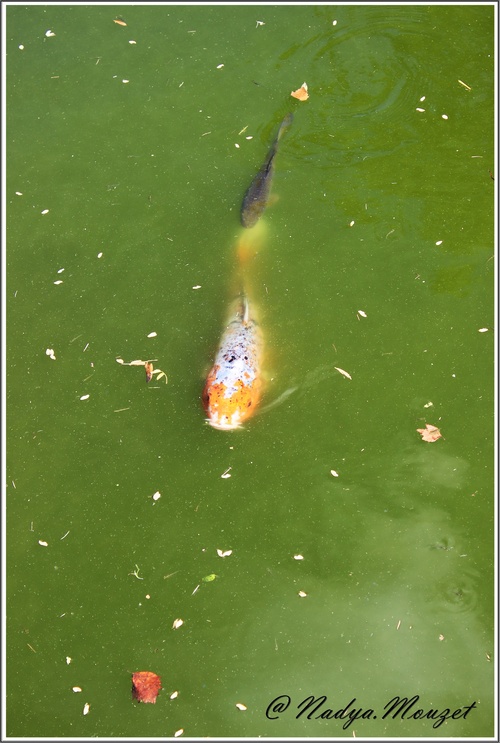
(257, 195)
(233, 387)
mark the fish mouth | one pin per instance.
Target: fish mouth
(223, 425)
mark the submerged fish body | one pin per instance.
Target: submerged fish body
(257, 195)
(234, 384)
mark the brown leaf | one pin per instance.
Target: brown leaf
(145, 686)
(430, 433)
(301, 93)
(149, 370)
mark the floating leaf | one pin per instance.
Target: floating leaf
(430, 433)
(301, 93)
(341, 371)
(209, 578)
(145, 686)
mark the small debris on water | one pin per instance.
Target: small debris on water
(177, 623)
(237, 145)
(125, 81)
(302, 594)
(174, 695)
(351, 224)
(483, 330)
(439, 242)
(301, 93)
(422, 99)
(363, 314)
(335, 474)
(428, 404)
(444, 116)
(99, 255)
(341, 371)
(50, 353)
(132, 41)
(119, 21)
(49, 33)
(430, 433)
(421, 110)
(86, 709)
(241, 706)
(226, 474)
(152, 335)
(198, 286)
(21, 47)
(84, 397)
(467, 87)
(58, 282)
(45, 211)
(298, 557)
(220, 66)
(42, 543)
(68, 660)
(156, 496)
(225, 553)
(77, 689)
(178, 732)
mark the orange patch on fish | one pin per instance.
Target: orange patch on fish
(234, 385)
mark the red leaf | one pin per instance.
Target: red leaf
(145, 686)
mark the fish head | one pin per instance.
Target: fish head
(228, 406)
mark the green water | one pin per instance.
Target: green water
(398, 558)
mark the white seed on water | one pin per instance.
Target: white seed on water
(19, 193)
(482, 330)
(302, 594)
(221, 553)
(50, 352)
(439, 242)
(132, 41)
(125, 81)
(42, 543)
(351, 224)
(21, 46)
(363, 314)
(157, 495)
(86, 709)
(45, 211)
(335, 474)
(444, 116)
(68, 660)
(174, 695)
(298, 557)
(420, 109)
(58, 282)
(198, 286)
(241, 706)
(237, 145)
(220, 66)
(177, 623)
(341, 371)
(428, 404)
(77, 689)
(178, 732)
(99, 255)
(422, 99)
(84, 397)
(49, 33)
(152, 335)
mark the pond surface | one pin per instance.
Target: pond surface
(129, 151)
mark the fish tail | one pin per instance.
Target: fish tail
(249, 245)
(284, 125)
